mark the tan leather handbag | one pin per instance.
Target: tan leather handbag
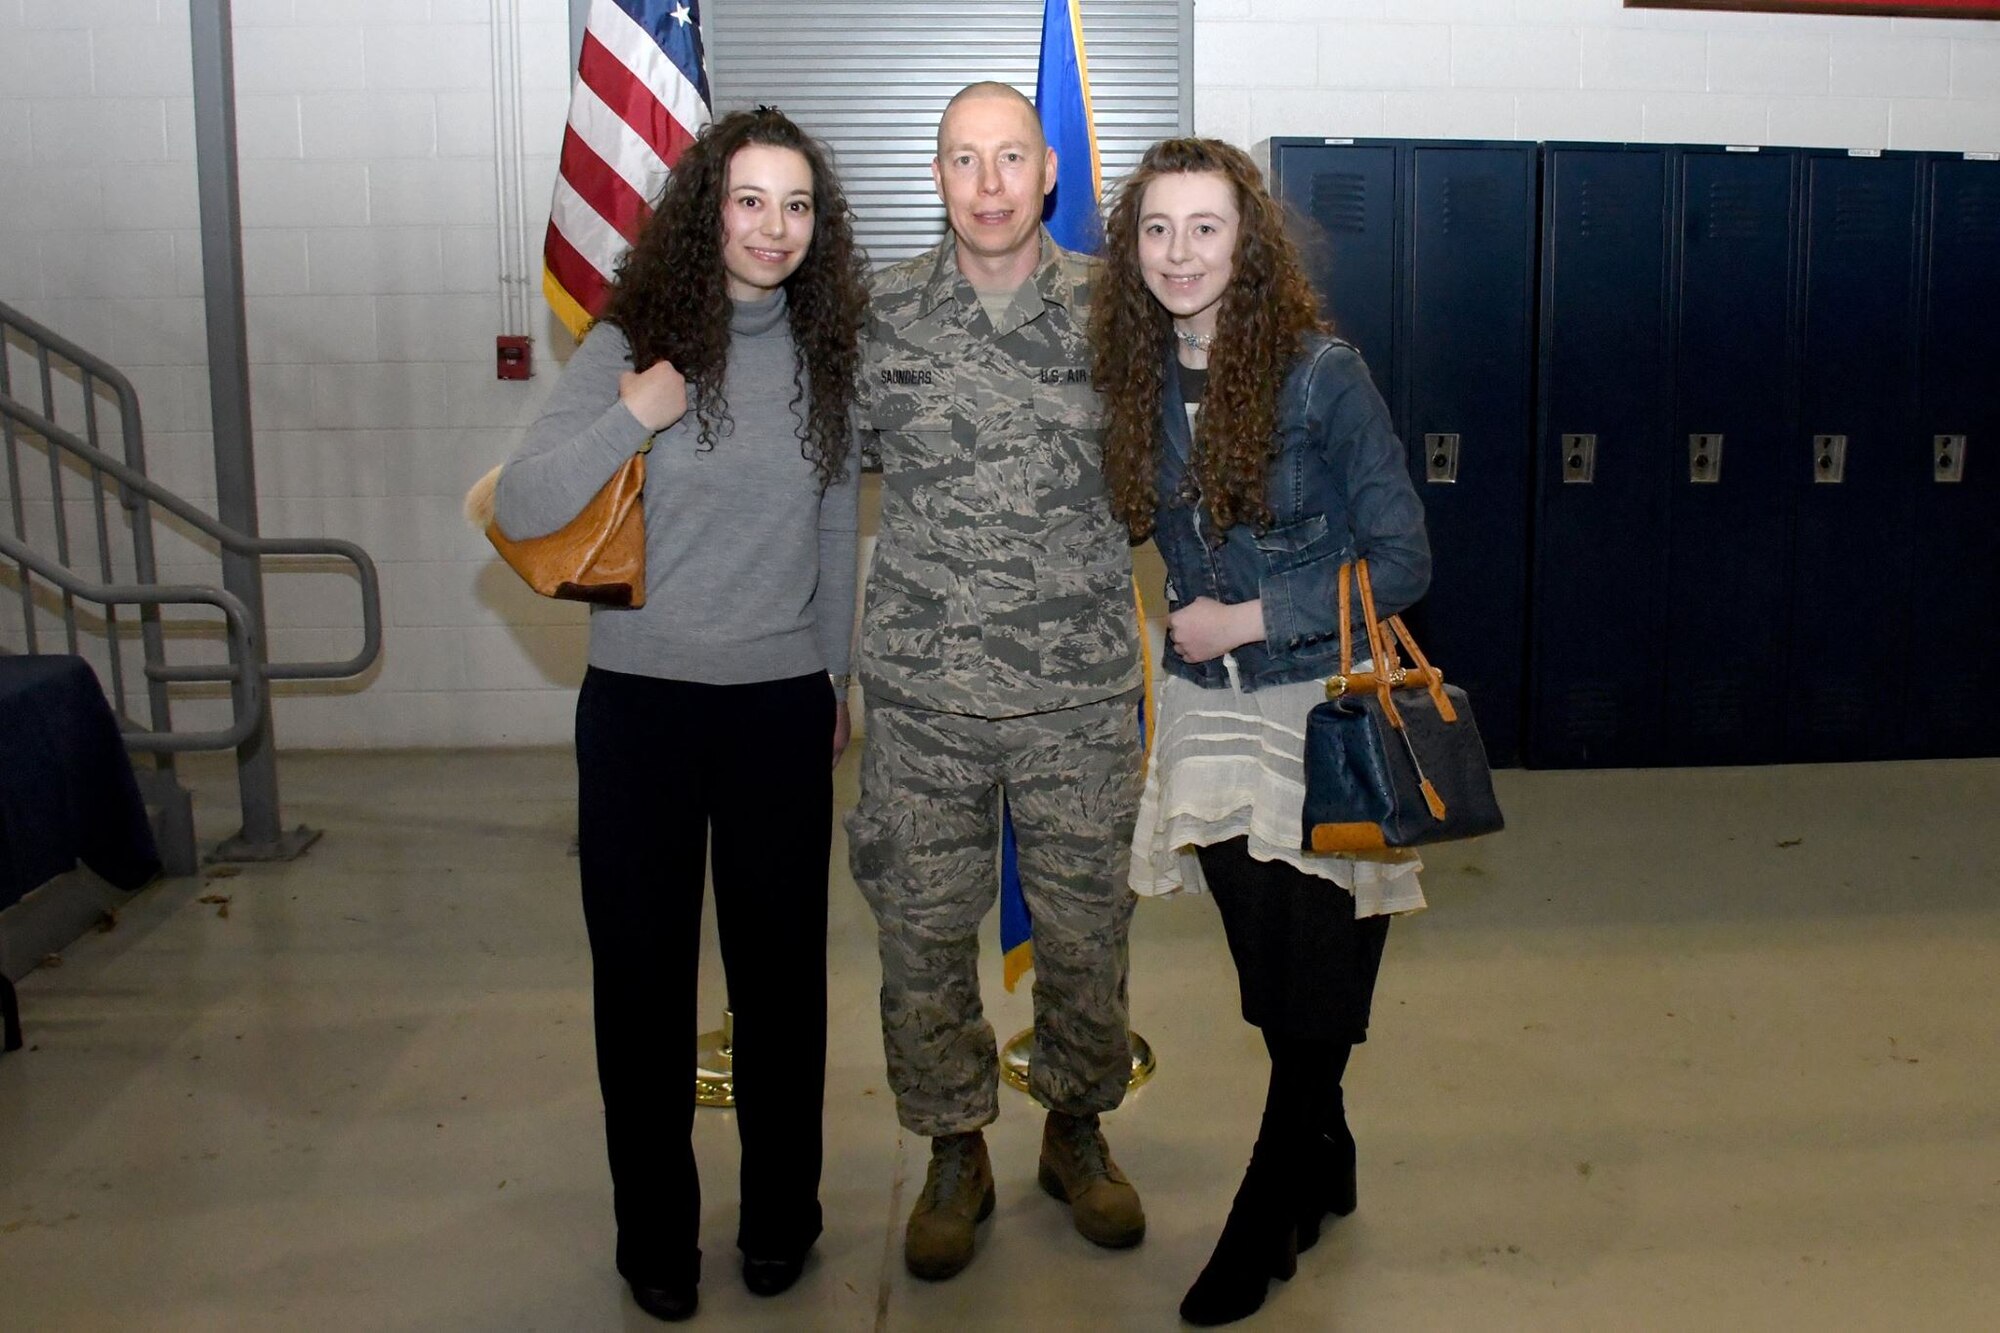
(598, 557)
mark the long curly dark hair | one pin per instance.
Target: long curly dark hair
(671, 298)
(1265, 314)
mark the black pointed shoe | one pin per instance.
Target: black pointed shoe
(768, 1275)
(672, 1304)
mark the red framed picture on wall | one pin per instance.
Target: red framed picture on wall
(1929, 9)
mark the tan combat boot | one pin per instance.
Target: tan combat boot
(1077, 1168)
(957, 1197)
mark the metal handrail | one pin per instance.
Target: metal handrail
(236, 617)
(94, 371)
(138, 482)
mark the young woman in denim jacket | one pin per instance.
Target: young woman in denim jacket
(1253, 448)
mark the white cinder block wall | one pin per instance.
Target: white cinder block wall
(1592, 69)
(371, 240)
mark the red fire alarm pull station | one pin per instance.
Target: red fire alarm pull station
(514, 356)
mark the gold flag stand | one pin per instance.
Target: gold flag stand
(1019, 1053)
(714, 1081)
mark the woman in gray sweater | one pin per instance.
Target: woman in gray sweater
(716, 710)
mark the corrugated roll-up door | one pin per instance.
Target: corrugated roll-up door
(871, 76)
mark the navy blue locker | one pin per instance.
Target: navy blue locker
(1348, 192)
(1954, 704)
(1852, 470)
(1597, 664)
(1726, 598)
(1465, 400)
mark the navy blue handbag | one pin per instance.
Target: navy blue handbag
(1393, 757)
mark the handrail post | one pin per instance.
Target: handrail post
(262, 837)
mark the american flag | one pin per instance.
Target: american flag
(641, 94)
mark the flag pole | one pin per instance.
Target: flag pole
(714, 1065)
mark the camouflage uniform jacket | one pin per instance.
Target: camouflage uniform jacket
(1001, 585)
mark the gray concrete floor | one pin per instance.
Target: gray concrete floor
(1697, 1049)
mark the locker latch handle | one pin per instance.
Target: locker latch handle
(1441, 458)
(1704, 458)
(1947, 458)
(1829, 458)
(1579, 459)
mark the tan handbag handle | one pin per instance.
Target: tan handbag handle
(1388, 672)
(1385, 681)
(1386, 669)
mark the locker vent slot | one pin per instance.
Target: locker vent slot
(1860, 211)
(1471, 203)
(1592, 711)
(1603, 211)
(1340, 201)
(1973, 215)
(1733, 212)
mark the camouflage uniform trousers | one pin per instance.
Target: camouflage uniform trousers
(924, 845)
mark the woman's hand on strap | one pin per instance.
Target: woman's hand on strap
(656, 396)
(1206, 628)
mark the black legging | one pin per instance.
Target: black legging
(661, 763)
(1305, 966)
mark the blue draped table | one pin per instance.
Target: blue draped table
(67, 792)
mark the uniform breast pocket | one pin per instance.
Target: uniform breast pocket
(911, 393)
(1067, 404)
(1070, 418)
(918, 430)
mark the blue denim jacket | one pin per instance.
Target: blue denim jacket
(1338, 488)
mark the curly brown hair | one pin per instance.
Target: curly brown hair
(672, 300)
(1266, 311)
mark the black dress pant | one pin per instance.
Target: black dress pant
(662, 764)
(1305, 966)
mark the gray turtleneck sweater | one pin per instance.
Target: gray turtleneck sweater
(749, 568)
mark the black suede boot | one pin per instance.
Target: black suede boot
(1259, 1242)
(1311, 1073)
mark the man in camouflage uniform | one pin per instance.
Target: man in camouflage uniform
(999, 654)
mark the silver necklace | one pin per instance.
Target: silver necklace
(1201, 342)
